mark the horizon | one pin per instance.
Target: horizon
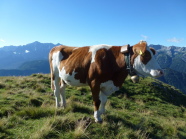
(86, 23)
(82, 46)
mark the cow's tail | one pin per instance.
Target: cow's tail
(51, 71)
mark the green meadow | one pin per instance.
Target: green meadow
(148, 109)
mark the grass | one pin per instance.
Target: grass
(149, 109)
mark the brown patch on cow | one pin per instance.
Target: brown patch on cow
(108, 65)
(146, 57)
(78, 61)
(141, 46)
(95, 89)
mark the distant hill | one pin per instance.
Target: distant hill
(40, 66)
(33, 57)
(27, 68)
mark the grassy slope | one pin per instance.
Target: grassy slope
(149, 109)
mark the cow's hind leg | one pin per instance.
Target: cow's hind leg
(62, 94)
(103, 99)
(57, 91)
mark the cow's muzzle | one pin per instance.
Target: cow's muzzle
(157, 73)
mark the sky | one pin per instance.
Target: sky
(92, 22)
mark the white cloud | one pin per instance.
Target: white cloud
(144, 37)
(174, 39)
(1, 40)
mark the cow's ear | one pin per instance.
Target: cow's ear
(124, 48)
(140, 48)
(153, 50)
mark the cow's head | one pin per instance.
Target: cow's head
(144, 62)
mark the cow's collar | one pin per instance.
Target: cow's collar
(130, 68)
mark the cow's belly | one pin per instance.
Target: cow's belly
(70, 79)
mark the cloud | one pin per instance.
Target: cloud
(174, 39)
(1, 40)
(144, 37)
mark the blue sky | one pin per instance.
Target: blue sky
(90, 22)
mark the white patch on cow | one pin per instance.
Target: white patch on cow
(108, 88)
(152, 68)
(70, 79)
(76, 48)
(58, 90)
(95, 48)
(97, 116)
(141, 41)
(56, 59)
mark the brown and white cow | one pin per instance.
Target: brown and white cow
(102, 67)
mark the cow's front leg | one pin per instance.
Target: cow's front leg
(96, 101)
(97, 114)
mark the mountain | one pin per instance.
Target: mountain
(12, 57)
(33, 58)
(171, 57)
(147, 110)
(173, 60)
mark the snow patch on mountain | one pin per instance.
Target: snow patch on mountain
(27, 51)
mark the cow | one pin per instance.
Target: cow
(101, 67)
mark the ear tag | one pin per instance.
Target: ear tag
(140, 53)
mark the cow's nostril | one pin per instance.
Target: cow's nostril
(161, 72)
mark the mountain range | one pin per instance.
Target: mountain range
(33, 58)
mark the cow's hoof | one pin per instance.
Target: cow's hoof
(100, 121)
(63, 107)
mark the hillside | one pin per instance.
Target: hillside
(149, 109)
(175, 78)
